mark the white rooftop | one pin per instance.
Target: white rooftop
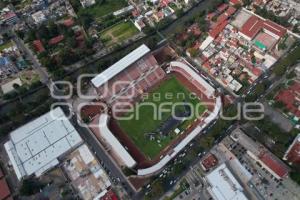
(119, 66)
(35, 147)
(224, 186)
(8, 87)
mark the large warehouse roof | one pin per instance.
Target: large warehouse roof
(35, 147)
(224, 186)
(119, 66)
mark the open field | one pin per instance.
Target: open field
(118, 33)
(6, 45)
(101, 9)
(138, 128)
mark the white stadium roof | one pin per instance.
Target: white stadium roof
(119, 66)
(114, 142)
(224, 186)
(209, 89)
(35, 147)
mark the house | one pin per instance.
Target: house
(292, 155)
(38, 17)
(38, 45)
(139, 23)
(9, 18)
(56, 40)
(9, 87)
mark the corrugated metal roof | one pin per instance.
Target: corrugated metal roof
(35, 147)
(119, 66)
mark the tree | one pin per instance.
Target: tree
(295, 176)
(53, 29)
(86, 19)
(296, 28)
(247, 2)
(207, 142)
(279, 104)
(280, 69)
(30, 186)
(76, 5)
(71, 42)
(193, 52)
(44, 32)
(214, 19)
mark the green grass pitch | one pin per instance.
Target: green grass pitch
(136, 128)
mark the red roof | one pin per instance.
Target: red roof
(209, 161)
(195, 29)
(256, 71)
(275, 28)
(290, 98)
(135, 13)
(69, 22)
(210, 15)
(222, 7)
(275, 165)
(230, 11)
(8, 15)
(164, 3)
(56, 39)
(254, 25)
(258, 2)
(221, 18)
(218, 29)
(4, 189)
(235, 2)
(38, 45)
(293, 155)
(110, 195)
(80, 38)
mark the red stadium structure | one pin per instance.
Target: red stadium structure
(124, 83)
(142, 72)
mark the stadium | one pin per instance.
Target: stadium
(152, 110)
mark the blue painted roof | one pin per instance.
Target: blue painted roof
(4, 61)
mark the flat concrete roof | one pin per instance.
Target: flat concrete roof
(224, 185)
(35, 147)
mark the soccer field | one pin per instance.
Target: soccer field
(118, 33)
(139, 128)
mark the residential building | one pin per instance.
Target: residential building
(38, 17)
(261, 155)
(292, 155)
(10, 86)
(86, 174)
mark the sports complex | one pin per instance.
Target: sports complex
(152, 111)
